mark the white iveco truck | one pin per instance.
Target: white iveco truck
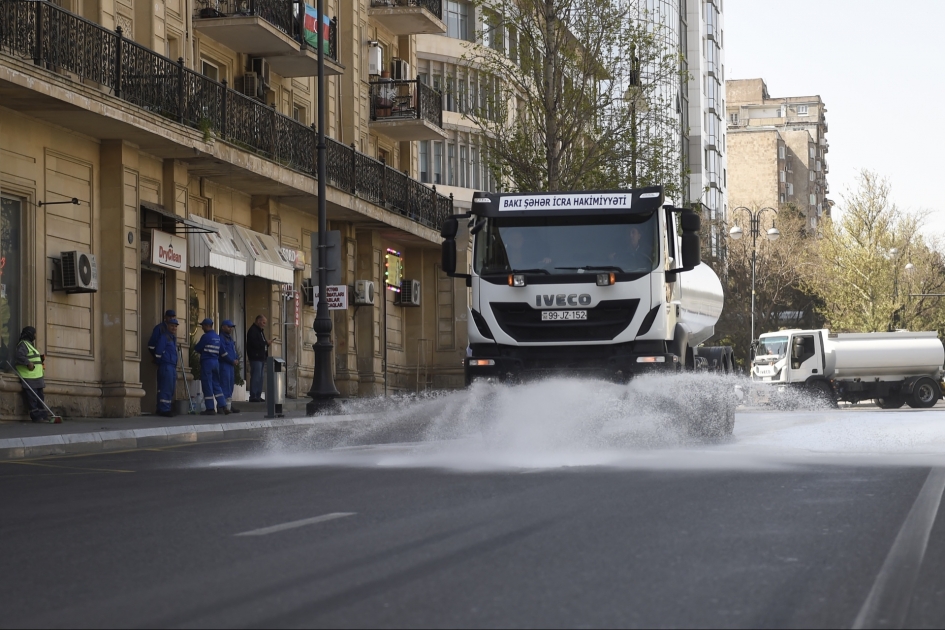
(893, 369)
(607, 283)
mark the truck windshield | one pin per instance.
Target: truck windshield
(772, 345)
(563, 245)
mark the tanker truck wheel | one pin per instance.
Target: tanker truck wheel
(890, 402)
(925, 393)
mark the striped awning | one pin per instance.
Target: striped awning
(222, 250)
(266, 259)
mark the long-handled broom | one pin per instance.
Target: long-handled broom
(190, 399)
(53, 418)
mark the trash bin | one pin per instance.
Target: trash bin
(275, 387)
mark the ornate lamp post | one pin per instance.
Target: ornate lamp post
(754, 228)
(323, 386)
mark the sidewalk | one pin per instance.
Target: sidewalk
(21, 440)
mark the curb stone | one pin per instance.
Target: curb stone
(127, 439)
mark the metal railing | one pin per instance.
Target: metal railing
(283, 14)
(405, 99)
(60, 41)
(433, 6)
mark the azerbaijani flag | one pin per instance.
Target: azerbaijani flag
(311, 35)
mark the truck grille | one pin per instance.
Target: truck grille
(604, 322)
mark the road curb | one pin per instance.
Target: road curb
(126, 439)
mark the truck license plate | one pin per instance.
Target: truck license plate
(557, 316)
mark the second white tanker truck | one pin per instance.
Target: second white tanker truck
(893, 369)
(603, 283)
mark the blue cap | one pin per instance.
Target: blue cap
(173, 321)
(170, 313)
(207, 322)
(227, 322)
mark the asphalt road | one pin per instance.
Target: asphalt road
(177, 537)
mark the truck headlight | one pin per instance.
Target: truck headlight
(606, 279)
(482, 362)
(516, 280)
(651, 359)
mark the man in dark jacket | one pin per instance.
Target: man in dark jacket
(257, 351)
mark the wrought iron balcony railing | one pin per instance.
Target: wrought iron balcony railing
(395, 99)
(433, 6)
(283, 14)
(58, 40)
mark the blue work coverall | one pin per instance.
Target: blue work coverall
(210, 355)
(165, 353)
(227, 369)
(160, 329)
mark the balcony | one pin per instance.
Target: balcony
(409, 17)
(271, 29)
(87, 53)
(406, 110)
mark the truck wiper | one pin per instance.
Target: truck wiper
(595, 268)
(492, 272)
(544, 271)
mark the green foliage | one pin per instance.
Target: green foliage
(862, 273)
(586, 98)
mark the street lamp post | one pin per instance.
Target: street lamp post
(754, 228)
(323, 386)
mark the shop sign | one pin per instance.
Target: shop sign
(337, 296)
(298, 309)
(168, 250)
(295, 257)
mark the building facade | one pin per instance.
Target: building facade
(161, 155)
(777, 150)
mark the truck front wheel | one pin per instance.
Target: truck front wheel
(925, 393)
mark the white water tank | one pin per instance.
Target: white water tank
(701, 300)
(886, 356)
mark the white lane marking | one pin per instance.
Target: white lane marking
(293, 524)
(888, 602)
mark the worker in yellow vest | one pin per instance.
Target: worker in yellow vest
(29, 365)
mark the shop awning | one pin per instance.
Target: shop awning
(266, 259)
(220, 250)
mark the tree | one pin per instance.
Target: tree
(781, 300)
(584, 95)
(864, 278)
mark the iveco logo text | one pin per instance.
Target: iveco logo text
(563, 299)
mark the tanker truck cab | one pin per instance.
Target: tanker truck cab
(789, 356)
(583, 283)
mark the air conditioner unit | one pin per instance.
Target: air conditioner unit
(399, 69)
(375, 59)
(409, 293)
(308, 292)
(261, 68)
(249, 84)
(79, 272)
(363, 293)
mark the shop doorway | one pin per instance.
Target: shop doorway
(152, 313)
(231, 305)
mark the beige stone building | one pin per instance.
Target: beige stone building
(777, 150)
(187, 126)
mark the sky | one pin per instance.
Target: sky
(876, 65)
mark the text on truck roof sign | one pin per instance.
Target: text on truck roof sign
(565, 202)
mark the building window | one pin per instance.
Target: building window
(802, 110)
(298, 113)
(812, 152)
(424, 162)
(209, 70)
(783, 177)
(733, 118)
(811, 176)
(474, 158)
(11, 257)
(437, 162)
(457, 19)
(463, 166)
(781, 152)
(451, 164)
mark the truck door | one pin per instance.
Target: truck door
(805, 357)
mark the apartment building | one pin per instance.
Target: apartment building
(158, 155)
(777, 150)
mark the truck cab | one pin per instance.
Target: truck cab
(604, 283)
(789, 356)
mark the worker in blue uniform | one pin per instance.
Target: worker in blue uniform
(210, 356)
(228, 365)
(165, 355)
(159, 330)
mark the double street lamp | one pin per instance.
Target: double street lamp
(754, 228)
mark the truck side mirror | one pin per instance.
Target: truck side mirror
(450, 227)
(449, 255)
(691, 250)
(691, 221)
